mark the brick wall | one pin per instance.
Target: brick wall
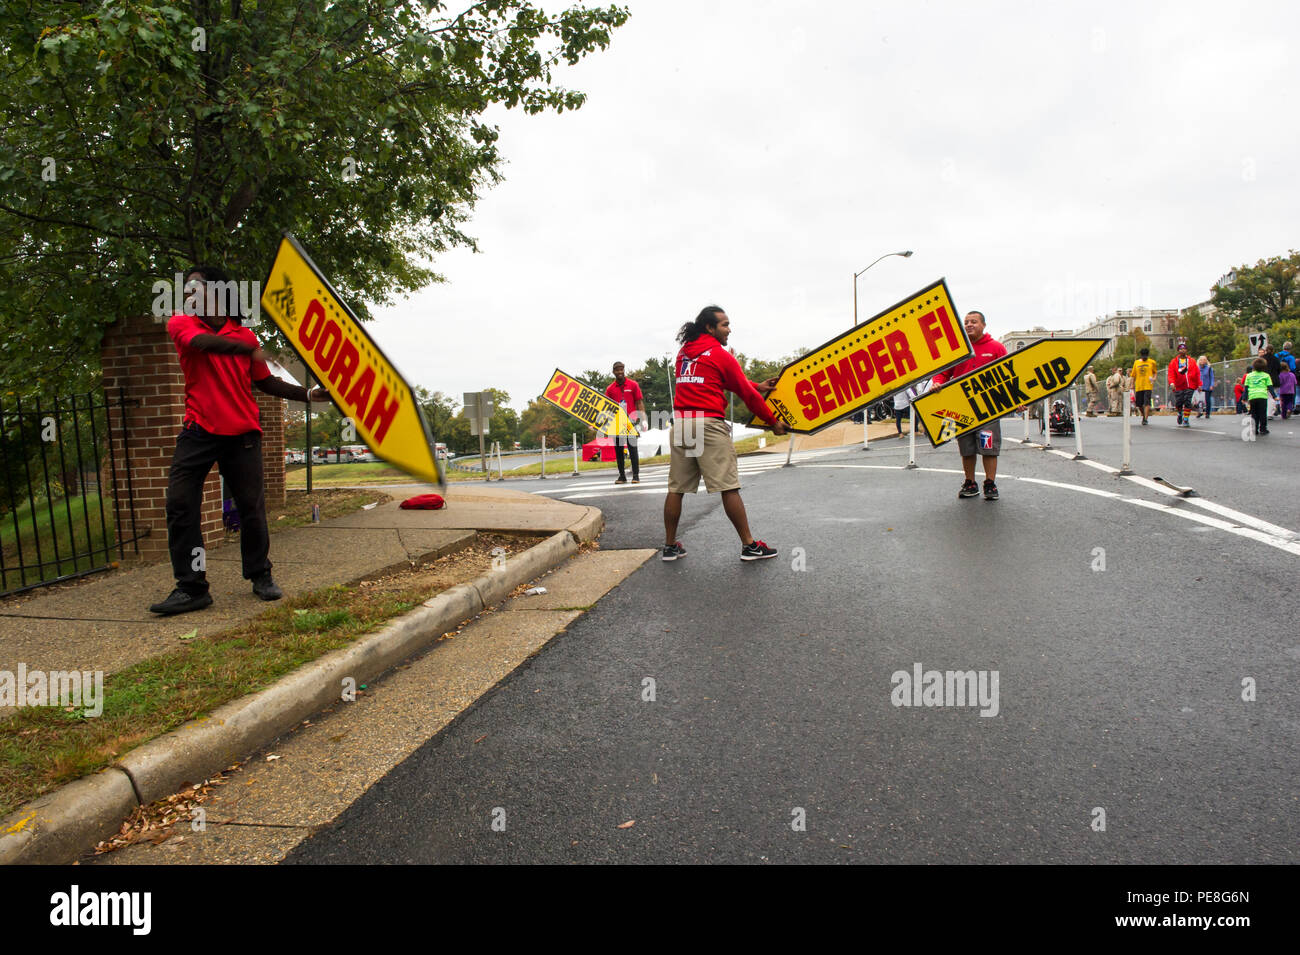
(138, 356)
(271, 410)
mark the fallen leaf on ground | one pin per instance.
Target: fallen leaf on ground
(627, 825)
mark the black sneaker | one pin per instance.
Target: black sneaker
(621, 480)
(990, 491)
(757, 551)
(266, 588)
(673, 551)
(178, 601)
(969, 489)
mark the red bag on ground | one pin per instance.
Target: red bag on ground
(423, 502)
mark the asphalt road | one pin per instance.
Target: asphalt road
(1121, 622)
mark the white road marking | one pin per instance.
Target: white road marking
(1257, 530)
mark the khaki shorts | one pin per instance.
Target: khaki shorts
(985, 440)
(702, 447)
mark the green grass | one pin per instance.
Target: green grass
(31, 526)
(42, 747)
(326, 475)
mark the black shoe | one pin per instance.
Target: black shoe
(674, 550)
(266, 588)
(178, 601)
(990, 490)
(757, 551)
(969, 489)
(621, 480)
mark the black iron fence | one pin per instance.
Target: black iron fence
(59, 516)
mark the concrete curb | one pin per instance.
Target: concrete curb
(61, 825)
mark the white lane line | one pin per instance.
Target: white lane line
(1068, 487)
(1150, 485)
(1099, 466)
(1250, 533)
(1241, 518)
(1257, 530)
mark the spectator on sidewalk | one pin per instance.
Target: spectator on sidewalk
(626, 393)
(1286, 357)
(1257, 387)
(1206, 372)
(1286, 391)
(221, 425)
(1115, 392)
(1239, 390)
(1273, 366)
(1091, 392)
(1184, 379)
(1144, 381)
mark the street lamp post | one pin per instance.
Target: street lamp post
(905, 255)
(866, 412)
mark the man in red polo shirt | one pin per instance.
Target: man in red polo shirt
(987, 439)
(626, 393)
(221, 426)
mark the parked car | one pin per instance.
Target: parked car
(295, 457)
(359, 452)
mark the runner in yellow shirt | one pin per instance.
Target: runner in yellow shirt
(1144, 381)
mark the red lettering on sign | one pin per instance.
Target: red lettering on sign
(328, 345)
(862, 368)
(844, 381)
(900, 351)
(557, 388)
(344, 367)
(381, 415)
(822, 389)
(931, 331)
(570, 393)
(804, 392)
(884, 374)
(948, 330)
(359, 396)
(307, 333)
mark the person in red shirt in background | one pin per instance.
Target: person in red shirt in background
(701, 444)
(627, 393)
(221, 426)
(987, 440)
(1184, 381)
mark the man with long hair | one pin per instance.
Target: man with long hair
(221, 426)
(701, 444)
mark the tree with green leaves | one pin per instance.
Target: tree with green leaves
(1263, 294)
(140, 138)
(1215, 338)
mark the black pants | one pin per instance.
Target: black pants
(1259, 411)
(239, 459)
(636, 462)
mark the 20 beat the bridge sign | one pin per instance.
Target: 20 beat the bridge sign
(1035, 372)
(588, 405)
(343, 357)
(918, 337)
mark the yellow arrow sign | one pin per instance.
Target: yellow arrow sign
(917, 338)
(1043, 368)
(345, 359)
(591, 407)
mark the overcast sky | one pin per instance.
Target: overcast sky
(1053, 162)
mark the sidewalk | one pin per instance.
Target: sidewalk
(104, 624)
(841, 434)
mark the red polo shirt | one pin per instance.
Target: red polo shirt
(218, 397)
(627, 396)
